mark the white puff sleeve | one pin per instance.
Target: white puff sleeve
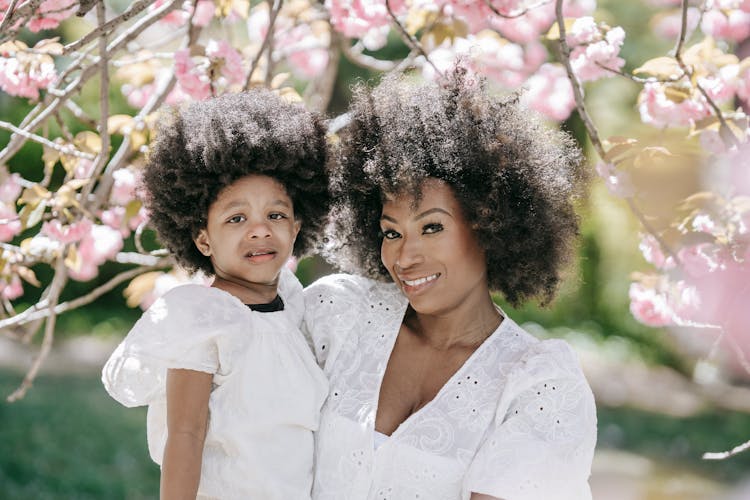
(177, 331)
(543, 439)
(333, 311)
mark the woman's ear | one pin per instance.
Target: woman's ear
(202, 243)
(297, 226)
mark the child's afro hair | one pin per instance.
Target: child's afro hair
(514, 178)
(203, 148)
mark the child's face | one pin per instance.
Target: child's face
(249, 236)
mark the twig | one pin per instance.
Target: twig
(689, 72)
(8, 15)
(103, 156)
(518, 14)
(642, 219)
(639, 79)
(410, 41)
(269, 50)
(66, 150)
(58, 283)
(319, 91)
(45, 308)
(104, 29)
(15, 143)
(575, 83)
(354, 54)
(277, 4)
(726, 454)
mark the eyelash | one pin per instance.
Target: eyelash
(430, 228)
(273, 216)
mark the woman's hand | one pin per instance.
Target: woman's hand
(187, 419)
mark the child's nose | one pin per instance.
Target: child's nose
(259, 230)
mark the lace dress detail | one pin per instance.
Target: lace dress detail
(516, 421)
(267, 388)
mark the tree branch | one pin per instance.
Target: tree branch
(518, 14)
(66, 150)
(277, 4)
(56, 287)
(354, 54)
(105, 29)
(8, 15)
(409, 40)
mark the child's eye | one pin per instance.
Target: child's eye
(432, 228)
(236, 219)
(277, 216)
(390, 234)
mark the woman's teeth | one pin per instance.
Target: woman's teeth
(420, 281)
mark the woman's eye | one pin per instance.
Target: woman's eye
(236, 219)
(432, 228)
(390, 234)
(277, 216)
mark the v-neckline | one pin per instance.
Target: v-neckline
(467, 362)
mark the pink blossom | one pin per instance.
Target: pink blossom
(733, 25)
(652, 252)
(698, 260)
(50, 13)
(204, 12)
(191, 79)
(704, 223)
(69, 233)
(138, 97)
(23, 73)
(669, 25)
(367, 20)
(139, 218)
(291, 264)
(123, 189)
(99, 245)
(658, 110)
(43, 248)
(84, 168)
(595, 47)
(743, 85)
(231, 68)
(10, 187)
(114, 217)
(526, 28)
(650, 306)
(305, 50)
(12, 290)
(550, 92)
(176, 18)
(10, 225)
(617, 181)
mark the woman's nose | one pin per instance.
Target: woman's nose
(409, 254)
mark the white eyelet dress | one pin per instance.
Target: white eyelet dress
(267, 388)
(517, 421)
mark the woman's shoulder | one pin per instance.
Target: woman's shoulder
(350, 291)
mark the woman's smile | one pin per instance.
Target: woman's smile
(417, 285)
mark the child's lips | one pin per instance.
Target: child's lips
(261, 255)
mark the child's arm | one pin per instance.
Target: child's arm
(187, 418)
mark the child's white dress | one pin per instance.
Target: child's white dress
(267, 388)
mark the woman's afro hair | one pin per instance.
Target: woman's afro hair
(514, 178)
(203, 148)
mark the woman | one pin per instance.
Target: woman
(446, 193)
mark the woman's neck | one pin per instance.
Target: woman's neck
(466, 325)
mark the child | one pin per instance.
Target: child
(235, 185)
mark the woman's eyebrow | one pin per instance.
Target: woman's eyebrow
(432, 211)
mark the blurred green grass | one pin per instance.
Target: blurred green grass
(69, 440)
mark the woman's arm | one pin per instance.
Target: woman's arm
(187, 419)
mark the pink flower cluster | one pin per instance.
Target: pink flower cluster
(550, 93)
(23, 73)
(367, 20)
(194, 73)
(100, 244)
(709, 285)
(731, 25)
(595, 48)
(47, 16)
(204, 12)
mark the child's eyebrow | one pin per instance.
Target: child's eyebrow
(241, 203)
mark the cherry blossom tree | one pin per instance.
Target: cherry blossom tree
(85, 209)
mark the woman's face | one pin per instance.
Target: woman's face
(430, 250)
